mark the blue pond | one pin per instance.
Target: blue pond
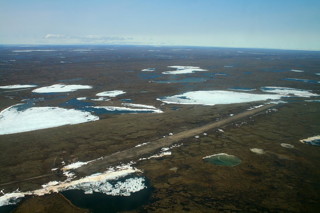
(89, 107)
(77, 104)
(101, 111)
(148, 75)
(127, 100)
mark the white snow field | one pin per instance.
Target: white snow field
(14, 121)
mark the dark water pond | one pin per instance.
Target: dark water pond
(102, 203)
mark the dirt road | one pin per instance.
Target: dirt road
(138, 152)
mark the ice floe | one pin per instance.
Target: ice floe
(100, 182)
(100, 99)
(120, 188)
(126, 109)
(295, 70)
(82, 98)
(214, 97)
(286, 91)
(149, 70)
(13, 120)
(18, 86)
(184, 70)
(315, 140)
(139, 106)
(111, 94)
(56, 88)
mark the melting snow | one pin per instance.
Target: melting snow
(286, 145)
(149, 70)
(61, 88)
(99, 182)
(126, 109)
(18, 86)
(139, 106)
(216, 97)
(14, 121)
(257, 151)
(315, 140)
(74, 165)
(112, 93)
(184, 70)
(294, 70)
(286, 91)
(100, 99)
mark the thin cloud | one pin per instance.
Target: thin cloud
(92, 39)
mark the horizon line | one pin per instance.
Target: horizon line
(159, 45)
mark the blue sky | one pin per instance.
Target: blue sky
(283, 24)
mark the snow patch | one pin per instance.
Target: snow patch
(56, 88)
(315, 140)
(14, 121)
(99, 182)
(111, 94)
(287, 92)
(149, 70)
(294, 70)
(18, 86)
(286, 145)
(142, 144)
(126, 109)
(257, 151)
(100, 99)
(138, 106)
(183, 70)
(214, 97)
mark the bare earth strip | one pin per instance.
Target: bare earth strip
(136, 152)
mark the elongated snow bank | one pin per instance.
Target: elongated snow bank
(214, 97)
(99, 182)
(18, 86)
(61, 88)
(126, 109)
(14, 121)
(111, 94)
(287, 91)
(183, 70)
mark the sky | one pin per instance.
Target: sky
(277, 24)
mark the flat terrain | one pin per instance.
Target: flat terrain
(280, 180)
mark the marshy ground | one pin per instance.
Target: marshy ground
(280, 180)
